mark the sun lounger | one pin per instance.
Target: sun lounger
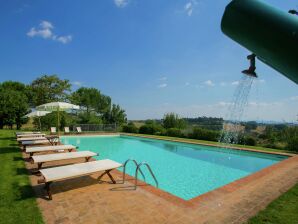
(79, 130)
(53, 130)
(30, 139)
(28, 132)
(31, 135)
(66, 130)
(32, 150)
(82, 169)
(52, 141)
(40, 159)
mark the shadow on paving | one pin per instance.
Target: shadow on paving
(67, 185)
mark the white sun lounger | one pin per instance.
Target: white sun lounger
(40, 159)
(31, 138)
(28, 132)
(31, 135)
(82, 169)
(32, 150)
(34, 143)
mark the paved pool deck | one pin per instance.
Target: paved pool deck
(85, 200)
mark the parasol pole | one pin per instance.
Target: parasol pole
(39, 123)
(58, 120)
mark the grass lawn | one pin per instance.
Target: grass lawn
(17, 200)
(283, 210)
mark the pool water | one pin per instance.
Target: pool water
(184, 170)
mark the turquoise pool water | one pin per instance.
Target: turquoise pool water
(184, 170)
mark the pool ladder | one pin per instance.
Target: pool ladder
(138, 168)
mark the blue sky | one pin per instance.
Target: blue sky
(151, 57)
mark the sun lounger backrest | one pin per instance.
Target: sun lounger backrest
(53, 129)
(66, 129)
(79, 129)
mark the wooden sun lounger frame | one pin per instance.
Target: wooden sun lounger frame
(54, 150)
(47, 186)
(39, 165)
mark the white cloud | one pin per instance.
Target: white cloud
(164, 85)
(46, 25)
(164, 78)
(187, 84)
(77, 83)
(45, 31)
(189, 7)
(209, 83)
(223, 84)
(63, 39)
(294, 98)
(235, 83)
(121, 3)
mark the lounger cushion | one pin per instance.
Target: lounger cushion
(34, 142)
(30, 139)
(62, 156)
(64, 172)
(49, 148)
(30, 135)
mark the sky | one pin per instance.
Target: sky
(151, 57)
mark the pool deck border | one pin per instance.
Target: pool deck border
(218, 192)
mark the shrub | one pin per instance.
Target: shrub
(130, 128)
(204, 134)
(151, 129)
(293, 144)
(174, 132)
(250, 141)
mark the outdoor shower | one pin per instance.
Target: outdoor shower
(269, 33)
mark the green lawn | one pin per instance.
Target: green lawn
(17, 200)
(283, 210)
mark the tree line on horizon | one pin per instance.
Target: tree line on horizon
(276, 136)
(17, 99)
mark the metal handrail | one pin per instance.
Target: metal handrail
(152, 174)
(124, 168)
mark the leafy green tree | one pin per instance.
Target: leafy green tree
(89, 118)
(91, 99)
(172, 120)
(13, 104)
(48, 88)
(116, 115)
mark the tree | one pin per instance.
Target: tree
(13, 104)
(47, 89)
(91, 99)
(172, 120)
(116, 115)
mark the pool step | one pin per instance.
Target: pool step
(138, 168)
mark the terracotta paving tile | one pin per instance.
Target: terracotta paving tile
(85, 200)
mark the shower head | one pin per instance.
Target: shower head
(293, 11)
(249, 72)
(252, 68)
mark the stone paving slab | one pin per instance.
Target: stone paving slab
(85, 200)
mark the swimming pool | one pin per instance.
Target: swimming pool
(184, 170)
